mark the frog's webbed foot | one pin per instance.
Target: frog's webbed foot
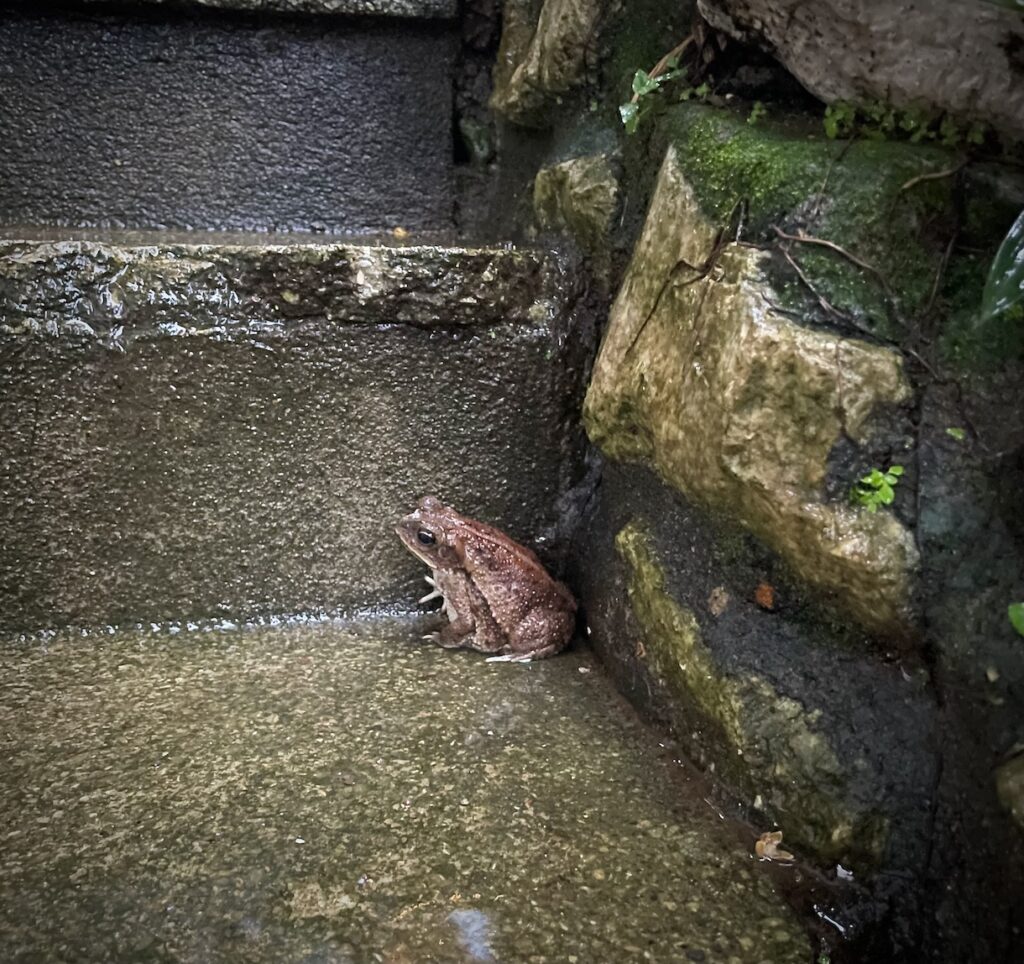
(434, 593)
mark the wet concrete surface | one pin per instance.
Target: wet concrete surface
(226, 119)
(224, 430)
(321, 793)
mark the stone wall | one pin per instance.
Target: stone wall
(789, 313)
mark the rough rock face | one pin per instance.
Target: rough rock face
(965, 58)
(225, 123)
(230, 430)
(542, 54)
(809, 732)
(578, 196)
(739, 408)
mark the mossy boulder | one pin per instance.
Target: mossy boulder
(860, 196)
(739, 408)
(773, 748)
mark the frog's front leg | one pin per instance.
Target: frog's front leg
(434, 593)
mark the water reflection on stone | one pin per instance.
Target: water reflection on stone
(317, 793)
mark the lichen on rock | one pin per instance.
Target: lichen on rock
(738, 407)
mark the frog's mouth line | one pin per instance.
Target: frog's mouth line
(410, 544)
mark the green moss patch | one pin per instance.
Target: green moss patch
(770, 745)
(789, 177)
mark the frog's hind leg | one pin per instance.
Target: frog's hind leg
(540, 634)
(529, 657)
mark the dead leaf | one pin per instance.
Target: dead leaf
(767, 847)
(764, 596)
(400, 232)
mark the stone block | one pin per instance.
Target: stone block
(227, 430)
(739, 407)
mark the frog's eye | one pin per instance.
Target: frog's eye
(426, 538)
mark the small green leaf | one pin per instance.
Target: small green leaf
(1016, 613)
(672, 63)
(896, 470)
(958, 433)
(630, 114)
(886, 494)
(703, 90)
(1005, 285)
(643, 83)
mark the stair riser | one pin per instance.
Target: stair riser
(225, 122)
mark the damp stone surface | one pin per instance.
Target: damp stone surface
(231, 428)
(320, 793)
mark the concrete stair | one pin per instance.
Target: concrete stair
(230, 429)
(242, 118)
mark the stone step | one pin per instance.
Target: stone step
(156, 117)
(313, 794)
(229, 427)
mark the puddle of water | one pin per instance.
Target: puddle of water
(323, 794)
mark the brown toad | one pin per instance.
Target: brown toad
(497, 595)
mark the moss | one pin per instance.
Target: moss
(770, 745)
(791, 178)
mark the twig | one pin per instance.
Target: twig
(660, 66)
(832, 246)
(822, 300)
(941, 271)
(933, 176)
(835, 159)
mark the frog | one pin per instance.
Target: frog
(498, 597)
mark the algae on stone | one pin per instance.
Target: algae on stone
(738, 407)
(773, 747)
